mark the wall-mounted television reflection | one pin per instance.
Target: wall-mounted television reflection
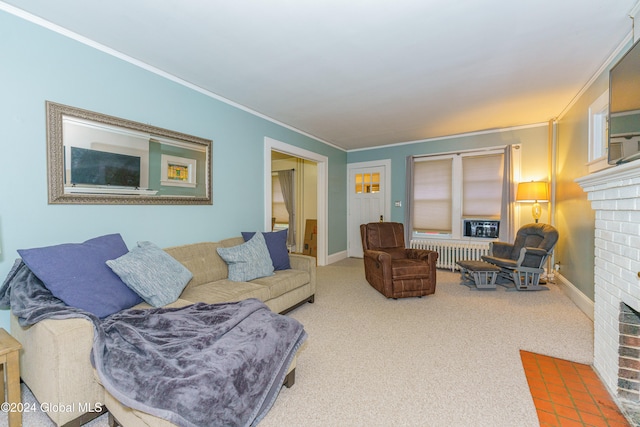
(624, 108)
(94, 167)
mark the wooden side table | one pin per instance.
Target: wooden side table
(10, 368)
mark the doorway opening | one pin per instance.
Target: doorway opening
(294, 200)
(310, 191)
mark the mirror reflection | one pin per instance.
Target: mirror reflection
(102, 159)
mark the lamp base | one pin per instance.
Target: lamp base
(536, 211)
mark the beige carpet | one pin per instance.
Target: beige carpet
(449, 359)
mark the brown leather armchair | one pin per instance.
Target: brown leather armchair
(392, 269)
(522, 261)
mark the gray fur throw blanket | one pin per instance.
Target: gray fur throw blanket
(199, 365)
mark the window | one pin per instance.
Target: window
(367, 183)
(432, 196)
(598, 133)
(482, 186)
(450, 188)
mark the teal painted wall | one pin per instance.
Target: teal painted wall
(38, 65)
(533, 140)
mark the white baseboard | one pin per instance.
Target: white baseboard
(575, 295)
(336, 257)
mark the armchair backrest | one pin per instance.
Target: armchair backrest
(535, 235)
(385, 237)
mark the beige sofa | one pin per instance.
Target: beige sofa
(55, 363)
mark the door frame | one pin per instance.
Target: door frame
(322, 162)
(386, 164)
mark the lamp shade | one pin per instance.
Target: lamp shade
(534, 191)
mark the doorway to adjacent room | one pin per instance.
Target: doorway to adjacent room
(311, 171)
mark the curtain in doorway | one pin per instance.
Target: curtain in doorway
(507, 212)
(287, 185)
(408, 208)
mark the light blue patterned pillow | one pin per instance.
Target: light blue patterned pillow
(152, 273)
(249, 260)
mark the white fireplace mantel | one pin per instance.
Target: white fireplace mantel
(611, 177)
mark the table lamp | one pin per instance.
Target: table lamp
(534, 191)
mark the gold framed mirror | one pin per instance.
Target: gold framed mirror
(94, 158)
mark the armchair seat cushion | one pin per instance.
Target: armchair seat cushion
(404, 269)
(501, 262)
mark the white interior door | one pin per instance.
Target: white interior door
(368, 200)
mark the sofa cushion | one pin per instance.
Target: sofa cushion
(152, 273)
(283, 281)
(224, 291)
(202, 260)
(249, 260)
(277, 244)
(77, 274)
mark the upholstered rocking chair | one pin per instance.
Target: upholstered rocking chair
(392, 269)
(522, 262)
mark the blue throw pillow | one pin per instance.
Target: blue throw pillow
(277, 245)
(77, 274)
(152, 273)
(249, 260)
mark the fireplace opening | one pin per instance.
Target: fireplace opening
(629, 354)
(629, 361)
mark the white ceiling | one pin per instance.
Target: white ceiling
(363, 73)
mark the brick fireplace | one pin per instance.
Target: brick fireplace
(615, 197)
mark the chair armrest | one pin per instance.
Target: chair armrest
(378, 271)
(532, 257)
(423, 254)
(378, 256)
(378, 261)
(500, 249)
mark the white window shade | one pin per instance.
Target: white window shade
(432, 195)
(482, 186)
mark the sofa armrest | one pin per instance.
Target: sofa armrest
(305, 263)
(55, 365)
(302, 262)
